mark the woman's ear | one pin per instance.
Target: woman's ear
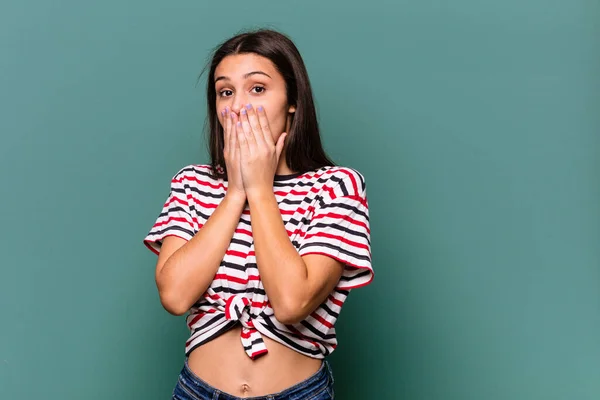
(292, 109)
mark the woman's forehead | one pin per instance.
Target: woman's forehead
(238, 65)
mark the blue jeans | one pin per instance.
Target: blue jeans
(317, 387)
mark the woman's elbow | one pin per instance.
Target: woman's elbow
(290, 313)
(174, 304)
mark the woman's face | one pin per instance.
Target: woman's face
(243, 79)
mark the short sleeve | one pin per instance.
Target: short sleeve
(175, 218)
(340, 229)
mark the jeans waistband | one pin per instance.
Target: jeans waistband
(313, 384)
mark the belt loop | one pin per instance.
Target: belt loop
(329, 370)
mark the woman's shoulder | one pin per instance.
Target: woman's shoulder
(196, 174)
(347, 179)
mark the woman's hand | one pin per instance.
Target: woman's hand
(231, 152)
(259, 155)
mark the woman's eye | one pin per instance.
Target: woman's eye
(260, 89)
(224, 93)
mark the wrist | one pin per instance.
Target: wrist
(259, 194)
(235, 197)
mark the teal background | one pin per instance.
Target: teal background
(475, 123)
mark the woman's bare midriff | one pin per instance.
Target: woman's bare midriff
(223, 364)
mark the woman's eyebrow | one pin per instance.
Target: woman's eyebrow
(246, 76)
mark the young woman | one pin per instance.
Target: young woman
(261, 246)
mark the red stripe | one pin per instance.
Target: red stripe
(174, 199)
(149, 242)
(236, 253)
(260, 304)
(170, 219)
(345, 218)
(258, 353)
(349, 264)
(301, 336)
(321, 320)
(302, 233)
(200, 182)
(227, 305)
(330, 171)
(196, 319)
(201, 203)
(288, 212)
(244, 231)
(352, 178)
(212, 296)
(236, 279)
(335, 301)
(336, 237)
(330, 190)
(247, 334)
(360, 199)
(294, 192)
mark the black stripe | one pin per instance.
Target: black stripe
(197, 171)
(252, 343)
(171, 209)
(294, 222)
(179, 190)
(317, 332)
(337, 250)
(363, 183)
(363, 273)
(245, 222)
(361, 180)
(329, 311)
(233, 266)
(219, 332)
(202, 193)
(297, 182)
(341, 185)
(351, 208)
(273, 329)
(197, 212)
(217, 318)
(241, 242)
(237, 310)
(171, 228)
(224, 289)
(329, 227)
(293, 202)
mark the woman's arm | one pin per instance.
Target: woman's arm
(185, 270)
(295, 285)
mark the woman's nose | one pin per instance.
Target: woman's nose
(238, 103)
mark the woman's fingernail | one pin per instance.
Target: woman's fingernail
(227, 110)
(249, 106)
(239, 124)
(222, 113)
(243, 111)
(260, 108)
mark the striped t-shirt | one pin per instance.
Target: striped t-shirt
(325, 211)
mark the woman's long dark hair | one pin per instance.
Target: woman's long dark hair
(304, 151)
